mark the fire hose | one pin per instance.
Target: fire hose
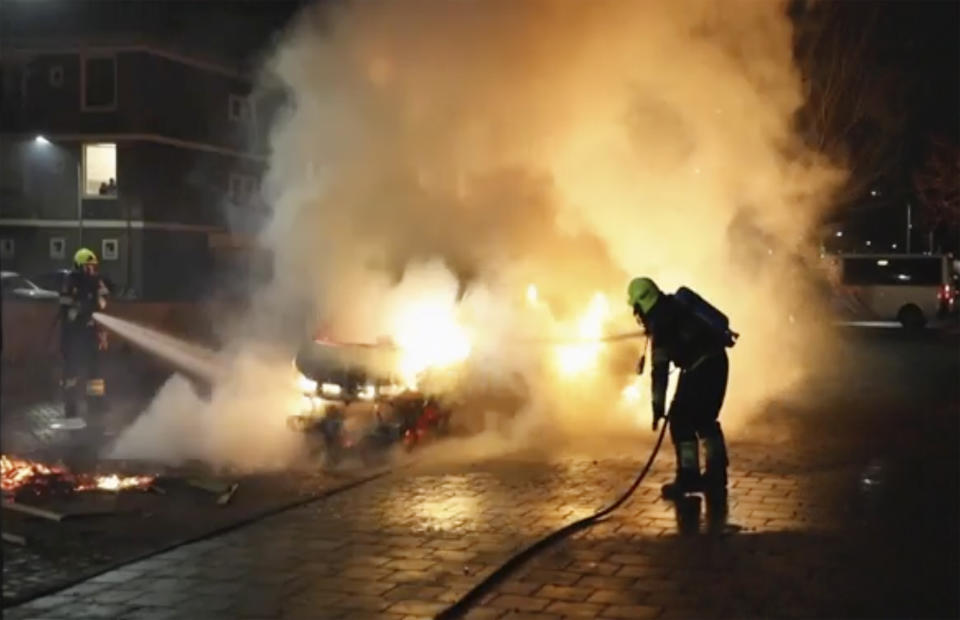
(472, 597)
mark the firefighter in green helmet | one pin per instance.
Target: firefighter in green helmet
(81, 340)
(693, 335)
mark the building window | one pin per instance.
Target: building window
(100, 170)
(55, 76)
(58, 247)
(99, 78)
(242, 187)
(110, 249)
(238, 108)
(7, 248)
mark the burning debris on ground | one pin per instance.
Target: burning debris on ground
(23, 476)
(53, 537)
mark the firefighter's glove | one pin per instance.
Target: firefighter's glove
(658, 412)
(72, 314)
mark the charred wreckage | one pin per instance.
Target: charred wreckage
(354, 406)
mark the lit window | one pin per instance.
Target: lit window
(99, 83)
(100, 170)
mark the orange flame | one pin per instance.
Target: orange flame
(21, 472)
(18, 472)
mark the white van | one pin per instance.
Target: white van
(910, 288)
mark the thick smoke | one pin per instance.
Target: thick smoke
(240, 426)
(497, 165)
(570, 145)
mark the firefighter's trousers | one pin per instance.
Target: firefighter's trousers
(695, 410)
(82, 379)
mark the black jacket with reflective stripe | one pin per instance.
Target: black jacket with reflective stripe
(81, 292)
(677, 336)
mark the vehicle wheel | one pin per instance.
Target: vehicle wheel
(911, 317)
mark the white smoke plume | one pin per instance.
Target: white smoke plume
(497, 171)
(240, 427)
(569, 145)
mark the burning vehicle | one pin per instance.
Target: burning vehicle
(355, 405)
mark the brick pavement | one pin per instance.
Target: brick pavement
(411, 543)
(402, 546)
(807, 533)
(851, 512)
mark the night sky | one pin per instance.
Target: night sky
(231, 31)
(901, 90)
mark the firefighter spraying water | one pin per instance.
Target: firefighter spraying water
(690, 333)
(81, 340)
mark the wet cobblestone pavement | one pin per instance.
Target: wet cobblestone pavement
(411, 543)
(850, 512)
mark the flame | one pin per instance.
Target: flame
(18, 472)
(532, 295)
(631, 393)
(113, 482)
(22, 472)
(577, 358)
(429, 336)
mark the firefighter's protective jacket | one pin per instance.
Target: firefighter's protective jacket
(81, 296)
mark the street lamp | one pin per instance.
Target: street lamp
(839, 233)
(42, 141)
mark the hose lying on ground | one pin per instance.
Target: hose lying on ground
(471, 598)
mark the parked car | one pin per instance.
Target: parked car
(15, 286)
(51, 280)
(912, 289)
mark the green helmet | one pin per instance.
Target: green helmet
(643, 292)
(84, 257)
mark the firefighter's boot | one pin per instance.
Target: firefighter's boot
(688, 478)
(715, 478)
(96, 400)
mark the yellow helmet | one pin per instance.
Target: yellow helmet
(83, 257)
(643, 292)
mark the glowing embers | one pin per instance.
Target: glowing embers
(22, 473)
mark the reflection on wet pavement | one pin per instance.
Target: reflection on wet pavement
(413, 542)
